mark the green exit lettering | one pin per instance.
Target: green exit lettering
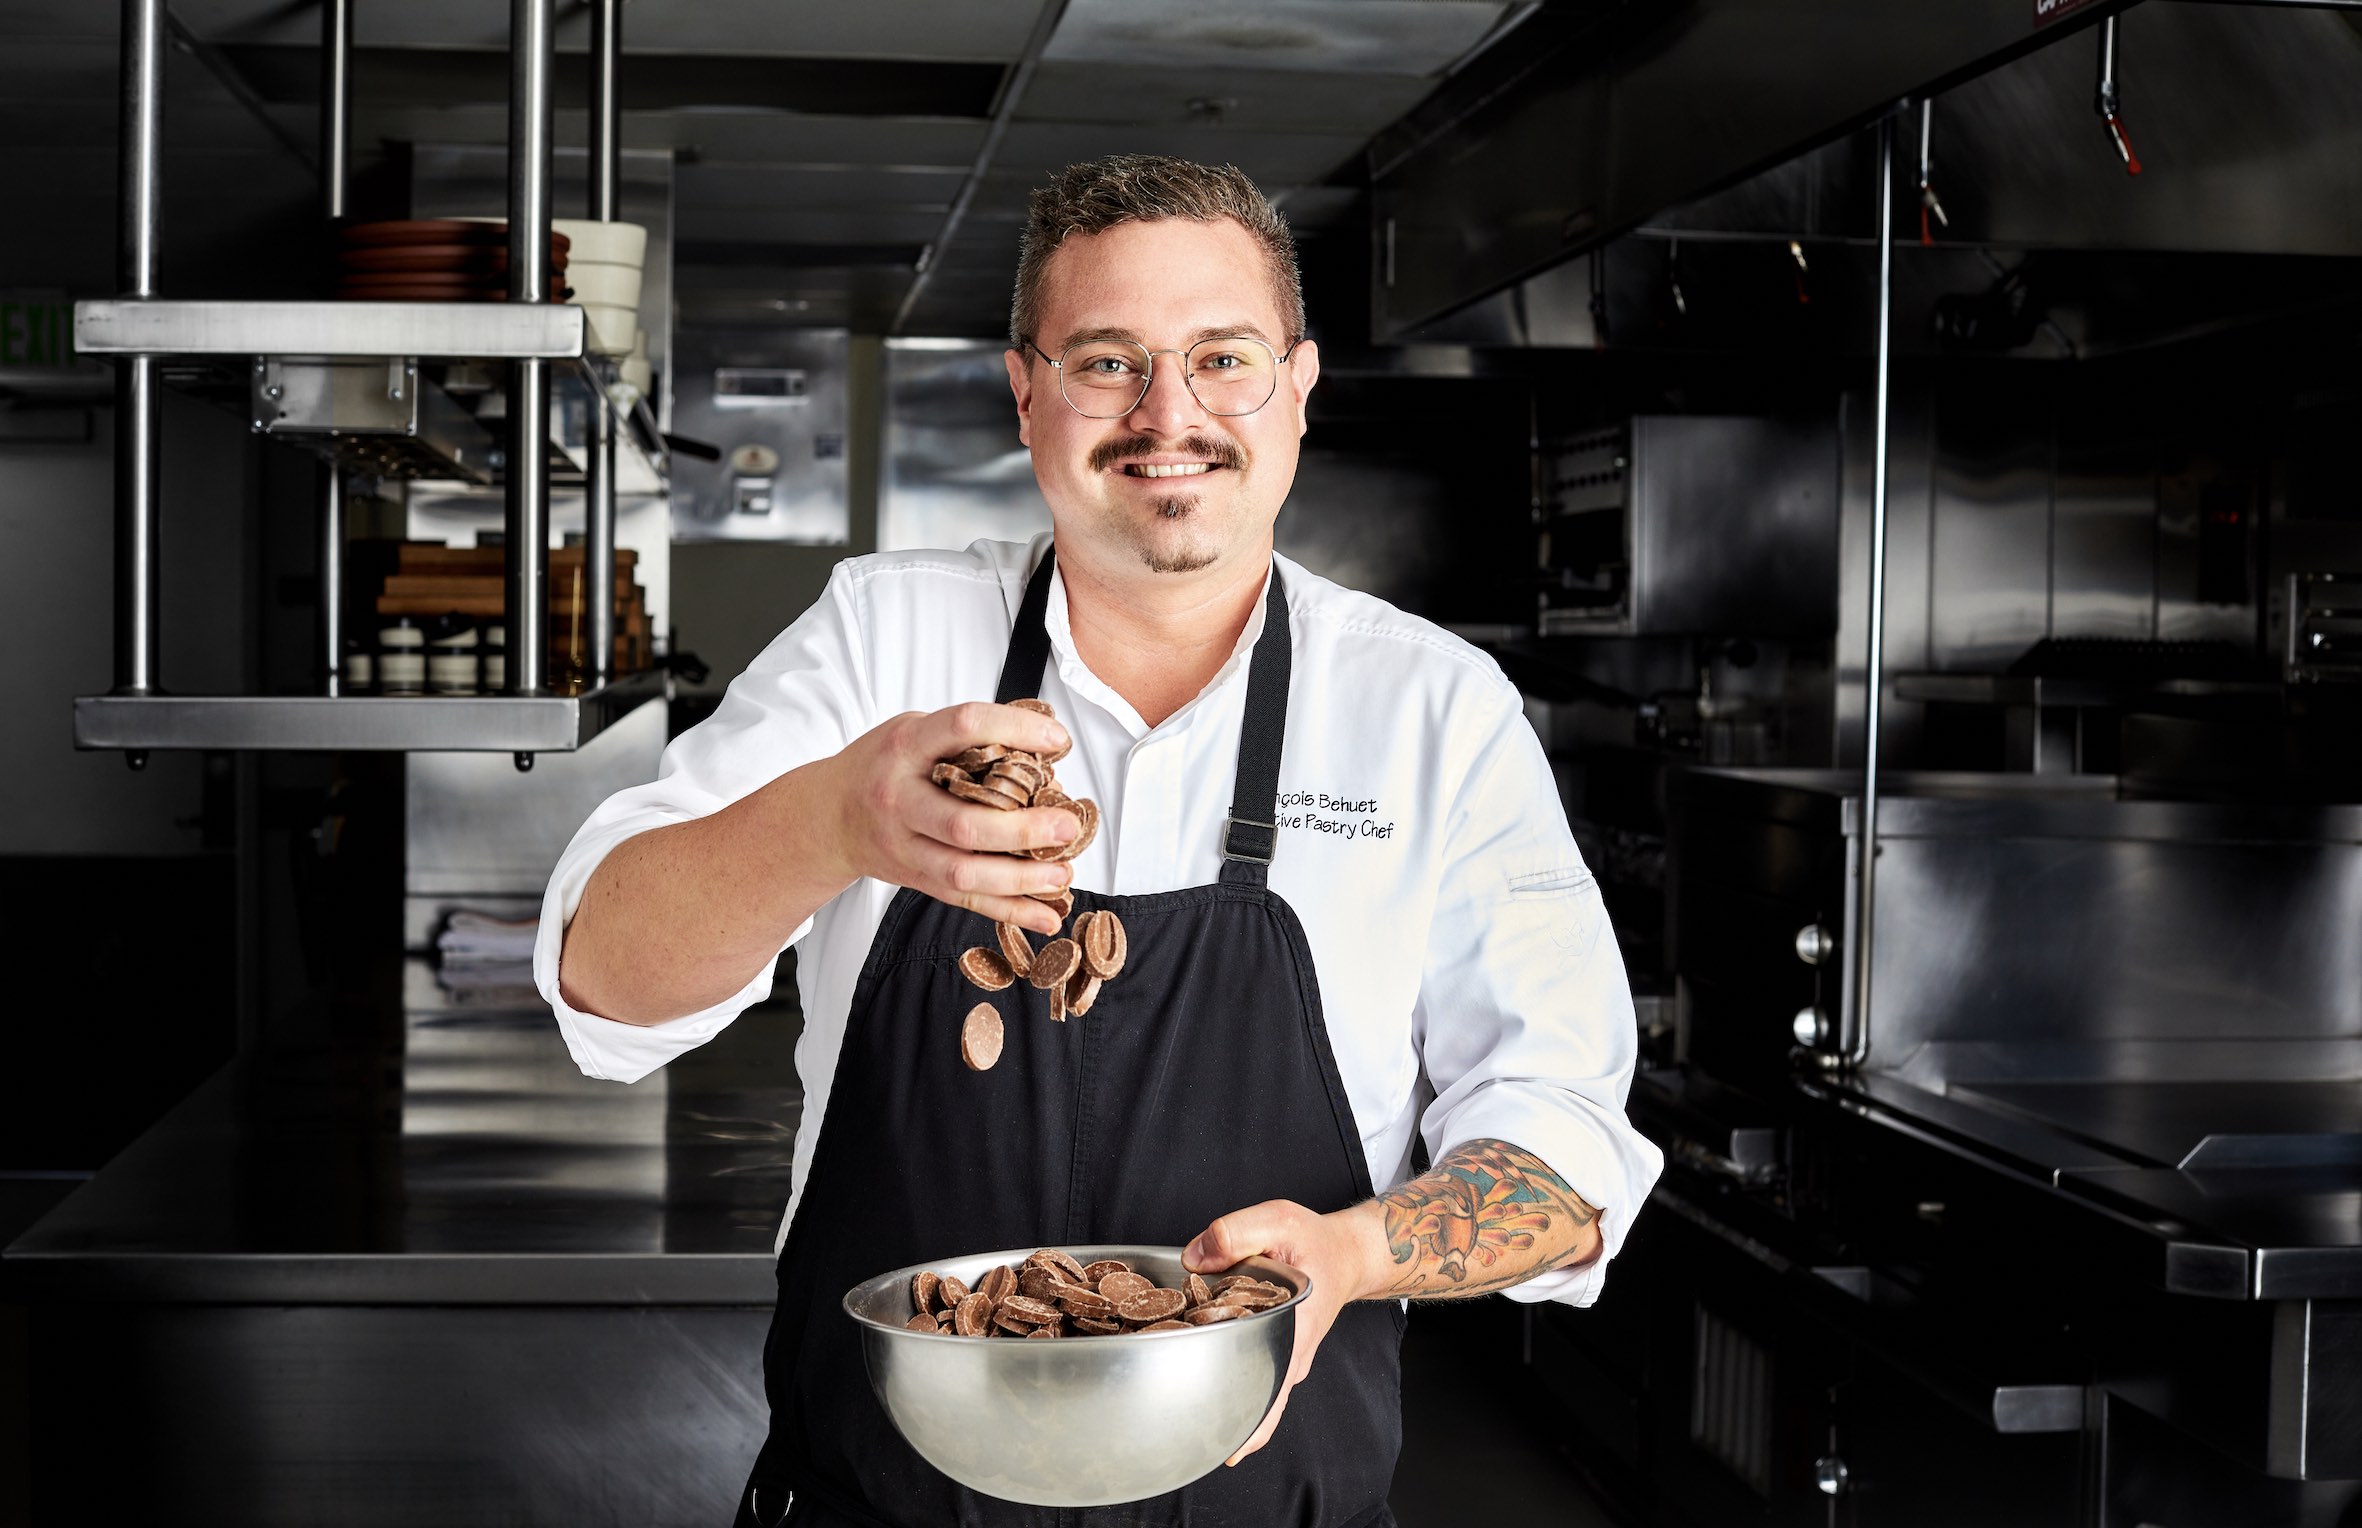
(37, 333)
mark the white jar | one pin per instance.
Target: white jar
(401, 658)
(451, 656)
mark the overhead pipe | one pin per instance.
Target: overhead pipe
(531, 56)
(606, 188)
(139, 208)
(1004, 110)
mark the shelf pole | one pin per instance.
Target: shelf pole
(530, 62)
(336, 131)
(1854, 1018)
(606, 186)
(137, 602)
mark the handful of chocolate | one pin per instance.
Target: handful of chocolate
(1072, 967)
(1053, 1295)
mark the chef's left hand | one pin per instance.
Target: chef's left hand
(1341, 1252)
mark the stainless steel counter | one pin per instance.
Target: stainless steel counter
(463, 1161)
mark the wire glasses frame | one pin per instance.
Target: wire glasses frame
(1228, 374)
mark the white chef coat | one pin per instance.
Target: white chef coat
(1454, 928)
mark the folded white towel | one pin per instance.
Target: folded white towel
(471, 937)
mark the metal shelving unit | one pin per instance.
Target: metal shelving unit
(349, 380)
(365, 723)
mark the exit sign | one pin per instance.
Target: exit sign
(37, 332)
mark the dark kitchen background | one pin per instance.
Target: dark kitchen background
(2023, 1187)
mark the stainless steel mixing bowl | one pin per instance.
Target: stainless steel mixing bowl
(1083, 1422)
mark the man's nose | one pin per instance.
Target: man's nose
(1168, 407)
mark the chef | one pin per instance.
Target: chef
(1373, 1021)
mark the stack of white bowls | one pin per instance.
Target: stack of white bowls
(603, 268)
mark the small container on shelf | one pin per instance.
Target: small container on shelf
(359, 670)
(401, 657)
(495, 655)
(451, 655)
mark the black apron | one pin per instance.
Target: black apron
(1200, 1082)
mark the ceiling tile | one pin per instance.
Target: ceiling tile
(773, 185)
(984, 31)
(804, 225)
(1273, 159)
(1414, 37)
(1234, 99)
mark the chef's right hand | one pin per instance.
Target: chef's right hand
(896, 825)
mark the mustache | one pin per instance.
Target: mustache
(1221, 453)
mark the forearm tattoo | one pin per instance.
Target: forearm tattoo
(1485, 1217)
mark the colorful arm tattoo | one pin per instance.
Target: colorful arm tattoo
(1486, 1217)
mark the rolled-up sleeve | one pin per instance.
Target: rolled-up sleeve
(1525, 1018)
(804, 698)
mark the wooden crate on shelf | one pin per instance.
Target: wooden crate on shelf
(427, 579)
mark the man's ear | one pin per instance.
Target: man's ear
(1021, 385)
(1303, 371)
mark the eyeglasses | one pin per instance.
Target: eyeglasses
(1229, 375)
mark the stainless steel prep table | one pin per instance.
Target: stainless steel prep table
(441, 1278)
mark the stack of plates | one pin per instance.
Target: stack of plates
(432, 260)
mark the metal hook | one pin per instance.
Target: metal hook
(1929, 204)
(2105, 100)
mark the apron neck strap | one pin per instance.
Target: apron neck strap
(1251, 835)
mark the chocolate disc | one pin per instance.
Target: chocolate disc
(1166, 1326)
(1058, 1004)
(1026, 1308)
(998, 1285)
(1042, 1283)
(1120, 1287)
(1155, 1305)
(1081, 991)
(945, 774)
(1094, 1272)
(1207, 1315)
(987, 969)
(1196, 1289)
(1119, 945)
(954, 1291)
(1044, 1331)
(923, 1292)
(983, 795)
(982, 756)
(1054, 963)
(1092, 1327)
(1098, 938)
(1016, 949)
(1063, 1262)
(980, 1042)
(922, 1322)
(1020, 772)
(1086, 1302)
(970, 1316)
(1062, 899)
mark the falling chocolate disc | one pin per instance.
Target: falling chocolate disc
(980, 1040)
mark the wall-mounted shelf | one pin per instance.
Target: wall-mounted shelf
(463, 331)
(384, 724)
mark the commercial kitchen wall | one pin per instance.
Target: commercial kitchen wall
(124, 883)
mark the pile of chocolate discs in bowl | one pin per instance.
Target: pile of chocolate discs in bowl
(1053, 1295)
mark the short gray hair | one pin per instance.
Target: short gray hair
(1146, 188)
